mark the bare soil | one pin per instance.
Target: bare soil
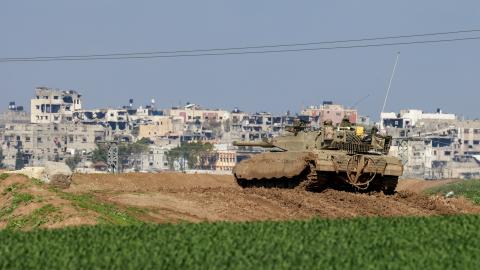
(418, 186)
(177, 197)
(174, 197)
(65, 213)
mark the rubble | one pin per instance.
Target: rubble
(56, 174)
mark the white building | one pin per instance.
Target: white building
(409, 118)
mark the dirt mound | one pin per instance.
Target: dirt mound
(26, 204)
(143, 182)
(417, 186)
(172, 197)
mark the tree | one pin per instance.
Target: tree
(1, 158)
(72, 162)
(100, 154)
(19, 163)
(191, 153)
(129, 153)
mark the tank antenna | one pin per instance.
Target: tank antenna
(389, 86)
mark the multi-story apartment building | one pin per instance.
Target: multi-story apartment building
(161, 126)
(48, 142)
(194, 113)
(54, 105)
(331, 112)
(409, 118)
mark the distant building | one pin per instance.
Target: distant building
(54, 105)
(409, 118)
(194, 113)
(331, 112)
(161, 126)
(225, 158)
(14, 114)
(48, 142)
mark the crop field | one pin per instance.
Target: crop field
(451, 242)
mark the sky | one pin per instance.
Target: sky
(428, 77)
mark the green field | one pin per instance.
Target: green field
(469, 189)
(366, 243)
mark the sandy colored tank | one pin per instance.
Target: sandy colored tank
(342, 157)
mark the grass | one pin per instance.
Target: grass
(365, 243)
(17, 199)
(108, 213)
(34, 220)
(4, 176)
(469, 189)
(37, 218)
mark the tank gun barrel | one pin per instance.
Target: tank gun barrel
(262, 144)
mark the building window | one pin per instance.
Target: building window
(466, 131)
(55, 97)
(466, 142)
(448, 153)
(27, 139)
(476, 142)
(39, 139)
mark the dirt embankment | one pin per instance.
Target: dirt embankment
(26, 204)
(418, 186)
(176, 197)
(172, 197)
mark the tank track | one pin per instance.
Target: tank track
(307, 180)
(310, 180)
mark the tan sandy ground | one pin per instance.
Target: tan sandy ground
(418, 186)
(176, 197)
(172, 197)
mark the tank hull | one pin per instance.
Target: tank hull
(320, 169)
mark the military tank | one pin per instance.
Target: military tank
(313, 159)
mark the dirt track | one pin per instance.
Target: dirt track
(171, 197)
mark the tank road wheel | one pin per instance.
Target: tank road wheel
(287, 183)
(241, 182)
(308, 180)
(356, 175)
(389, 184)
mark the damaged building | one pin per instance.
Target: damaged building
(37, 143)
(54, 105)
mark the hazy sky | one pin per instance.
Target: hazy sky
(428, 76)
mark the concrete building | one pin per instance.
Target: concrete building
(409, 118)
(14, 114)
(161, 126)
(54, 105)
(416, 155)
(48, 142)
(450, 145)
(226, 158)
(193, 113)
(156, 160)
(331, 112)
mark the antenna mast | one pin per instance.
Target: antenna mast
(389, 86)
